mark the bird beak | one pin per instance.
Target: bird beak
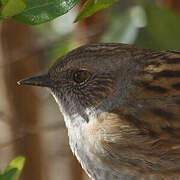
(41, 80)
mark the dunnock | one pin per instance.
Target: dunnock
(121, 105)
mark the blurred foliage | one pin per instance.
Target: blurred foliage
(61, 49)
(36, 12)
(145, 24)
(13, 171)
(163, 27)
(92, 6)
(124, 26)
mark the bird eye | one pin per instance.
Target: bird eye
(81, 76)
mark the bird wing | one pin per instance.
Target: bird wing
(144, 132)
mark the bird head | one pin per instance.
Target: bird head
(84, 80)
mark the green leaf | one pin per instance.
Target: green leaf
(13, 171)
(12, 7)
(17, 163)
(40, 11)
(92, 6)
(9, 175)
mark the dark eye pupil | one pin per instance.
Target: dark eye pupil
(81, 76)
(78, 76)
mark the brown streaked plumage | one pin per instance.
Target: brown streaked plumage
(121, 105)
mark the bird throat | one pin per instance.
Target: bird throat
(74, 115)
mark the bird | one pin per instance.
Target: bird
(121, 107)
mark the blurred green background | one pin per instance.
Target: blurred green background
(30, 122)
